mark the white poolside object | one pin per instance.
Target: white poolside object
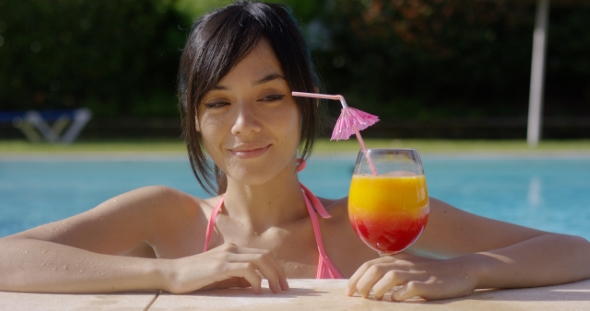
(537, 74)
(32, 120)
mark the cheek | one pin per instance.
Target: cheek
(290, 122)
(210, 133)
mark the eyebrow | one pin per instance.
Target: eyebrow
(268, 78)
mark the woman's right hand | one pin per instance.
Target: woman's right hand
(225, 266)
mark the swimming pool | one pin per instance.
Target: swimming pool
(550, 194)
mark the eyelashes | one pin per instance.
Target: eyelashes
(216, 104)
(272, 98)
(266, 99)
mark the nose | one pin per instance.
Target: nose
(246, 121)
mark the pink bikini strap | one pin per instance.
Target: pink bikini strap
(212, 223)
(326, 268)
(301, 164)
(324, 261)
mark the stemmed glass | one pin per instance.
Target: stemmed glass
(388, 210)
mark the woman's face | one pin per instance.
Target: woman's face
(249, 122)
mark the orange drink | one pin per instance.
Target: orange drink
(388, 212)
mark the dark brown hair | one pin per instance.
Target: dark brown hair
(217, 42)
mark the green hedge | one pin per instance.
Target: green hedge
(115, 57)
(399, 59)
(433, 58)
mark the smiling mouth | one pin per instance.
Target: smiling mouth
(249, 153)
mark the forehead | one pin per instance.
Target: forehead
(260, 62)
(263, 50)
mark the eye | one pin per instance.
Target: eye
(216, 104)
(272, 98)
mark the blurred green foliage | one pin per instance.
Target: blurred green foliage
(426, 59)
(420, 59)
(115, 57)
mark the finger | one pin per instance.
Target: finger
(233, 248)
(412, 289)
(356, 276)
(269, 259)
(371, 276)
(390, 280)
(360, 272)
(433, 289)
(270, 270)
(265, 263)
(404, 256)
(280, 273)
(247, 271)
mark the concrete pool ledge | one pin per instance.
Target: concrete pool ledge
(87, 302)
(305, 294)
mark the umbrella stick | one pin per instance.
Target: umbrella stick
(344, 107)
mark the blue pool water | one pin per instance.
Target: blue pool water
(547, 194)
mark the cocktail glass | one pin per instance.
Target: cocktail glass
(389, 211)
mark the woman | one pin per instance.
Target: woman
(237, 72)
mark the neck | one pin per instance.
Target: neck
(274, 203)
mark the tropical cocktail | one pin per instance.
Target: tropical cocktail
(388, 211)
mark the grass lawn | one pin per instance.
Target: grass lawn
(323, 146)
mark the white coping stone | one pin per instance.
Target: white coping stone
(329, 295)
(305, 295)
(11, 301)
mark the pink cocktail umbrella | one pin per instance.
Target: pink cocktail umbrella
(351, 121)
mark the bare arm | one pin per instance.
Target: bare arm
(505, 255)
(79, 254)
(475, 252)
(31, 265)
(82, 253)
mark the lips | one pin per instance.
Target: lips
(249, 152)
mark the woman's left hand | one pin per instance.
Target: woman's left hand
(427, 278)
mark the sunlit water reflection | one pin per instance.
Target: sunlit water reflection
(547, 194)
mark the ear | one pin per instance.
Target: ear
(197, 127)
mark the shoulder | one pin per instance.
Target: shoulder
(166, 206)
(338, 225)
(153, 199)
(336, 207)
(156, 215)
(176, 221)
(143, 211)
(339, 221)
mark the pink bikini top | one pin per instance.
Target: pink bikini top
(326, 269)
